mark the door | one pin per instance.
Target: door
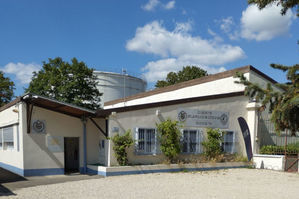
(71, 154)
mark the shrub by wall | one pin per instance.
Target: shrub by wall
(121, 144)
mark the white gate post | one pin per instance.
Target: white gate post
(252, 121)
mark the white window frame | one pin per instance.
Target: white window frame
(137, 141)
(233, 141)
(199, 139)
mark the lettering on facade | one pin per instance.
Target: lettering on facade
(203, 118)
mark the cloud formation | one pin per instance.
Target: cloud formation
(23, 72)
(179, 48)
(169, 5)
(265, 24)
(152, 4)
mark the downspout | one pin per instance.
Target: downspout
(83, 119)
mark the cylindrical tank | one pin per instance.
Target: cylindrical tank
(116, 86)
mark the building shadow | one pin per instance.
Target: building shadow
(5, 191)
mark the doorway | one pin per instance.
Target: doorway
(71, 154)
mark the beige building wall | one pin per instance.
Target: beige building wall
(36, 151)
(12, 159)
(147, 118)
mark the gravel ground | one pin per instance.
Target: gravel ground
(232, 183)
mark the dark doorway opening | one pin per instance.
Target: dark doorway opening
(71, 154)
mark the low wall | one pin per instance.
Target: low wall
(160, 168)
(273, 162)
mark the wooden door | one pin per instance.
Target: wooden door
(71, 154)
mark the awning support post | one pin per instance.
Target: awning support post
(84, 121)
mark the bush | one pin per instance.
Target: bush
(279, 150)
(212, 145)
(121, 144)
(169, 137)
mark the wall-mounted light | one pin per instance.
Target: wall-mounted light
(158, 112)
(113, 114)
(15, 110)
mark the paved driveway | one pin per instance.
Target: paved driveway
(10, 181)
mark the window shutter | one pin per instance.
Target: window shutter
(8, 134)
(200, 139)
(136, 139)
(197, 141)
(234, 142)
(1, 130)
(158, 145)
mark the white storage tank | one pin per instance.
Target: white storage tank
(116, 86)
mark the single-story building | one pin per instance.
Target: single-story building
(42, 136)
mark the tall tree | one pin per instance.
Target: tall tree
(187, 73)
(284, 105)
(6, 89)
(68, 82)
(286, 4)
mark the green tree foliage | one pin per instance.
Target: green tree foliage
(169, 137)
(187, 73)
(68, 82)
(283, 105)
(212, 145)
(286, 4)
(121, 144)
(6, 89)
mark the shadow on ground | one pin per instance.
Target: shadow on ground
(10, 181)
(8, 177)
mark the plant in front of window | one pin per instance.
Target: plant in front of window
(121, 144)
(169, 137)
(213, 145)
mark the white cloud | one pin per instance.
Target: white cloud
(226, 24)
(169, 5)
(179, 48)
(265, 24)
(150, 5)
(23, 72)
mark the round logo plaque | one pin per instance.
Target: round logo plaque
(38, 126)
(182, 116)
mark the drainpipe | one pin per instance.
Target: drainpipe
(83, 119)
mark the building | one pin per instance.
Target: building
(42, 136)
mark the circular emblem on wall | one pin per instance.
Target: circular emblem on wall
(224, 119)
(38, 126)
(182, 116)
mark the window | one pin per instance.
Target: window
(7, 138)
(191, 141)
(228, 142)
(146, 141)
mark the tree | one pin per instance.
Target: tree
(187, 73)
(286, 4)
(68, 82)
(6, 89)
(283, 105)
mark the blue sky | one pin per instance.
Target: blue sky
(148, 38)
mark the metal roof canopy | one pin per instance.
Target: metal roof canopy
(57, 106)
